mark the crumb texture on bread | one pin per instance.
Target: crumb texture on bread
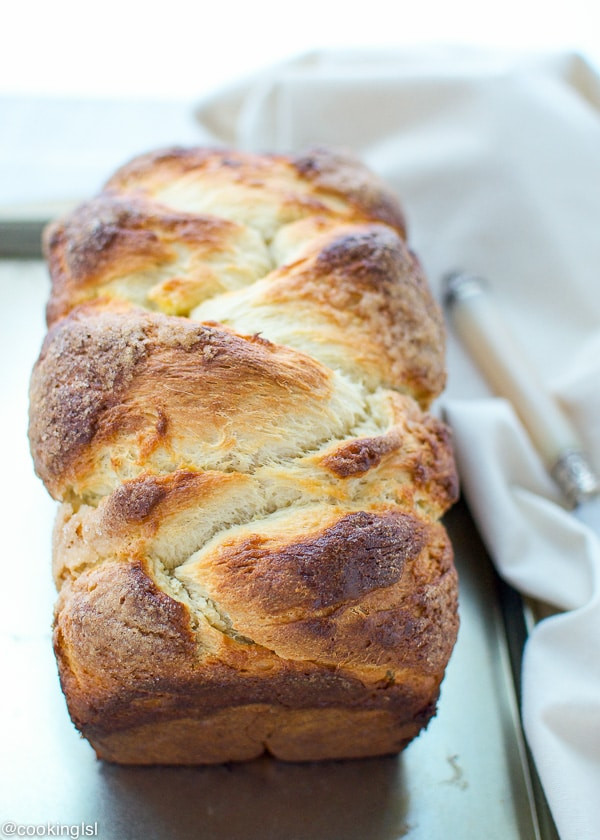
(230, 406)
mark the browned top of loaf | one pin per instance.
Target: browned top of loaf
(111, 379)
(241, 239)
(323, 172)
(140, 218)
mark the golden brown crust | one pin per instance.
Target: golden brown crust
(291, 596)
(361, 455)
(148, 499)
(355, 555)
(245, 732)
(133, 242)
(344, 175)
(93, 395)
(130, 657)
(325, 170)
(229, 404)
(115, 236)
(353, 297)
(366, 283)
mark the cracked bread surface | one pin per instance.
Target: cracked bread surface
(231, 408)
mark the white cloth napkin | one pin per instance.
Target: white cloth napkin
(496, 158)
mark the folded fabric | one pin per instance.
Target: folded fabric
(495, 158)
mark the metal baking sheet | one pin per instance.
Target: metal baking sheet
(466, 777)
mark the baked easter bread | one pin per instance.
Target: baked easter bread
(231, 408)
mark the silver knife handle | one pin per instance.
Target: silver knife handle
(504, 364)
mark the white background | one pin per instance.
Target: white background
(117, 48)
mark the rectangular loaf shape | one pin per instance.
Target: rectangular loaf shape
(231, 408)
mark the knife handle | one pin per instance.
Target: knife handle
(504, 364)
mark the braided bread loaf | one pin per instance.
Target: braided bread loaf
(230, 407)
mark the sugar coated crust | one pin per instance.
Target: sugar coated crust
(231, 408)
